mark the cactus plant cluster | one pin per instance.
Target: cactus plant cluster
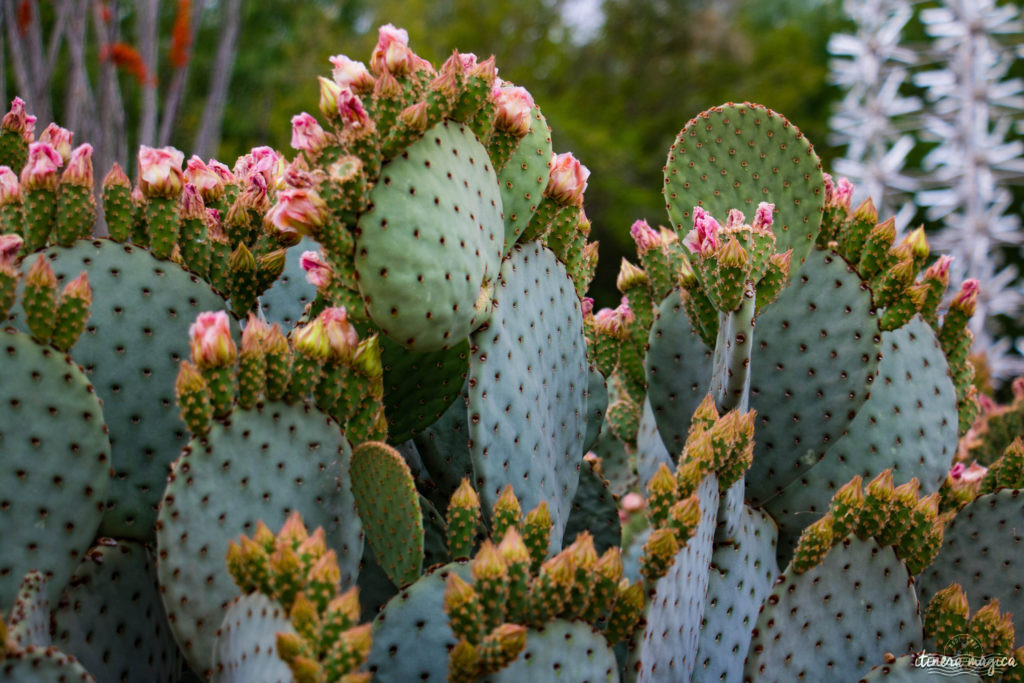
(386, 337)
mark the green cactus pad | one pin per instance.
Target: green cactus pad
(110, 617)
(389, 509)
(669, 648)
(678, 373)
(562, 650)
(246, 646)
(595, 509)
(909, 424)
(524, 176)
(432, 236)
(137, 332)
(286, 299)
(650, 447)
(864, 595)
(411, 636)
(444, 451)
(56, 461)
(616, 465)
(375, 588)
(981, 552)
(29, 621)
(260, 464)
(742, 572)
(528, 379)
(737, 155)
(597, 405)
(903, 670)
(815, 353)
(42, 665)
(419, 387)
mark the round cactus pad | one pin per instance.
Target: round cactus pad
(908, 424)
(524, 176)
(595, 509)
(29, 620)
(597, 405)
(905, 669)
(981, 552)
(286, 299)
(260, 464)
(836, 620)
(738, 155)
(815, 354)
(110, 617)
(42, 665)
(246, 648)
(562, 651)
(669, 648)
(136, 334)
(678, 374)
(56, 460)
(742, 572)
(411, 636)
(528, 378)
(431, 238)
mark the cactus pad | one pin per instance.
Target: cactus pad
(55, 465)
(110, 617)
(246, 647)
(524, 176)
(389, 509)
(616, 465)
(259, 465)
(528, 379)
(431, 238)
(562, 650)
(597, 405)
(286, 299)
(35, 664)
(419, 387)
(650, 447)
(444, 451)
(981, 552)
(865, 596)
(815, 353)
(595, 509)
(903, 670)
(29, 621)
(738, 155)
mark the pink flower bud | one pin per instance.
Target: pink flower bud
(116, 177)
(1017, 387)
(512, 107)
(624, 312)
(17, 121)
(939, 270)
(350, 109)
(210, 341)
(568, 179)
(341, 335)
(318, 271)
(329, 93)
(160, 172)
(606, 321)
(967, 297)
(957, 470)
(587, 306)
(207, 181)
(349, 73)
(307, 135)
(838, 193)
(192, 207)
(734, 219)
(79, 169)
(223, 171)
(298, 210)
(467, 60)
(703, 238)
(10, 188)
(645, 236)
(973, 473)
(213, 225)
(254, 194)
(392, 53)
(10, 245)
(41, 170)
(764, 216)
(986, 404)
(269, 163)
(58, 138)
(79, 289)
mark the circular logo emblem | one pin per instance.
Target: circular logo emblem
(963, 645)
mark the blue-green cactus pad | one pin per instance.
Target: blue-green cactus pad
(904, 670)
(528, 378)
(524, 176)
(981, 551)
(674, 615)
(260, 464)
(55, 458)
(29, 620)
(815, 355)
(909, 424)
(432, 236)
(837, 619)
(419, 387)
(616, 465)
(42, 665)
(562, 651)
(286, 299)
(595, 509)
(137, 332)
(246, 646)
(597, 404)
(737, 155)
(444, 451)
(111, 618)
(650, 448)
(678, 373)
(411, 636)
(742, 572)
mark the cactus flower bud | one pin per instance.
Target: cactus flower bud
(946, 615)
(462, 605)
(307, 135)
(349, 73)
(367, 358)
(58, 138)
(658, 554)
(311, 341)
(17, 121)
(764, 216)
(866, 212)
(587, 306)
(703, 238)
(846, 507)
(463, 662)
(463, 517)
(318, 271)
(299, 211)
(393, 55)
(79, 289)
(501, 646)
(537, 533)
(568, 180)
(10, 188)
(967, 298)
(734, 220)
(631, 276)
(733, 255)
(992, 629)
(645, 236)
(40, 171)
(192, 206)
(838, 194)
(206, 180)
(160, 173)
(210, 341)
(512, 110)
(814, 543)
(661, 494)
(939, 270)
(918, 244)
(10, 245)
(684, 517)
(506, 513)
(79, 167)
(342, 337)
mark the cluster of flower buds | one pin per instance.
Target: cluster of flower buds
(17, 130)
(948, 617)
(53, 319)
(298, 571)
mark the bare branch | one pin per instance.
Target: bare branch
(176, 91)
(111, 143)
(208, 136)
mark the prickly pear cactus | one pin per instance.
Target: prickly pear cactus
(569, 650)
(246, 647)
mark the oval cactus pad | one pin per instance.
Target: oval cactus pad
(528, 378)
(433, 235)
